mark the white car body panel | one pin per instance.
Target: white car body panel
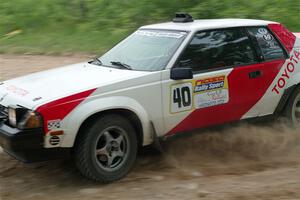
(60, 82)
(145, 105)
(198, 25)
(270, 96)
(147, 94)
(172, 119)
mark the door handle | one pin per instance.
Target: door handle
(255, 74)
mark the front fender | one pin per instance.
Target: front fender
(86, 109)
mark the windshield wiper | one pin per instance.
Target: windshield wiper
(119, 64)
(96, 61)
(99, 61)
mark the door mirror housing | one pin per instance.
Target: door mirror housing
(181, 73)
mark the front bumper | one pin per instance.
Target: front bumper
(27, 145)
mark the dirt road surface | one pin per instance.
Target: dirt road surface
(239, 162)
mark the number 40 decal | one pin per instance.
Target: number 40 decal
(181, 97)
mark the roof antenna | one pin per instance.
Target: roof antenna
(182, 18)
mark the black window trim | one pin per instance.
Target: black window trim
(258, 49)
(254, 44)
(243, 29)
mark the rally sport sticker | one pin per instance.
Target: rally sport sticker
(198, 94)
(211, 92)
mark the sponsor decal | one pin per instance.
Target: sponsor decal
(54, 124)
(262, 33)
(16, 90)
(288, 71)
(160, 34)
(199, 94)
(286, 37)
(209, 84)
(181, 97)
(211, 92)
(268, 37)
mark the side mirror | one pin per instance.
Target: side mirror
(181, 73)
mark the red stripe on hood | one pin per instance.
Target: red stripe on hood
(60, 108)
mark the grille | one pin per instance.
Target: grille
(3, 113)
(54, 140)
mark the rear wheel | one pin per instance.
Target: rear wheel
(292, 109)
(107, 149)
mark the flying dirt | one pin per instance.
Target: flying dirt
(238, 161)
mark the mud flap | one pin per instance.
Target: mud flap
(156, 140)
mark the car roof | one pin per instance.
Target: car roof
(197, 25)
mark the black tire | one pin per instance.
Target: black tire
(290, 111)
(100, 167)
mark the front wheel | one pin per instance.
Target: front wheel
(107, 149)
(292, 109)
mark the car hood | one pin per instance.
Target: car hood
(46, 86)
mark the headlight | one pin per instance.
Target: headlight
(23, 118)
(12, 116)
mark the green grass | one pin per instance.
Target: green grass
(93, 26)
(61, 42)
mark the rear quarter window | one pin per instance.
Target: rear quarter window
(269, 46)
(286, 37)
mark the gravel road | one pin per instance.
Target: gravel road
(237, 162)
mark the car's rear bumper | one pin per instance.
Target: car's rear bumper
(27, 145)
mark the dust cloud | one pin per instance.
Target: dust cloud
(235, 150)
(244, 161)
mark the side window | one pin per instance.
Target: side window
(217, 49)
(268, 45)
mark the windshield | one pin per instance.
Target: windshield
(144, 50)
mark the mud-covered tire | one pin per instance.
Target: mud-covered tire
(292, 109)
(99, 143)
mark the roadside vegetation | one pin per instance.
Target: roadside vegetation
(92, 26)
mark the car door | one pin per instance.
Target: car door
(226, 81)
(275, 69)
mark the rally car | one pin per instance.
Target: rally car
(162, 80)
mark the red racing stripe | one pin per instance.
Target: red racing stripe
(285, 36)
(60, 108)
(244, 93)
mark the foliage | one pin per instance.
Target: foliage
(57, 26)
